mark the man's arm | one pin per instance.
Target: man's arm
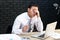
(16, 26)
(39, 24)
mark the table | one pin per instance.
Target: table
(28, 35)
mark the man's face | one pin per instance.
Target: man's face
(32, 11)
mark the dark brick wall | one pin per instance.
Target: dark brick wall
(9, 9)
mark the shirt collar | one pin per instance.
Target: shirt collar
(27, 16)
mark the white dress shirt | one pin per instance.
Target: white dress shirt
(22, 20)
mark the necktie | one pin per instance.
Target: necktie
(29, 25)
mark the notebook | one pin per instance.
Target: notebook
(49, 30)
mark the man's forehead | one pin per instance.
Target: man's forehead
(34, 7)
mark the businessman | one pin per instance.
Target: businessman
(27, 21)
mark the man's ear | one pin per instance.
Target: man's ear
(28, 9)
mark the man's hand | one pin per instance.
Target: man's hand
(38, 14)
(25, 28)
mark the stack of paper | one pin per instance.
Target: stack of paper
(55, 35)
(9, 37)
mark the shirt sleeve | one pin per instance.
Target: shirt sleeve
(16, 26)
(39, 24)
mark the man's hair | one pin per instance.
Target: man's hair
(32, 4)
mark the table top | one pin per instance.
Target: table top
(28, 35)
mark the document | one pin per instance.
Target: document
(9, 37)
(55, 35)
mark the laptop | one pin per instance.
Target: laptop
(45, 34)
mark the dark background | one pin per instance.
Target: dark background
(9, 9)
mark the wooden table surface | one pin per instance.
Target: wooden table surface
(28, 35)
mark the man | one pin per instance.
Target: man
(22, 24)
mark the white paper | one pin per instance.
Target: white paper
(9, 37)
(55, 35)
